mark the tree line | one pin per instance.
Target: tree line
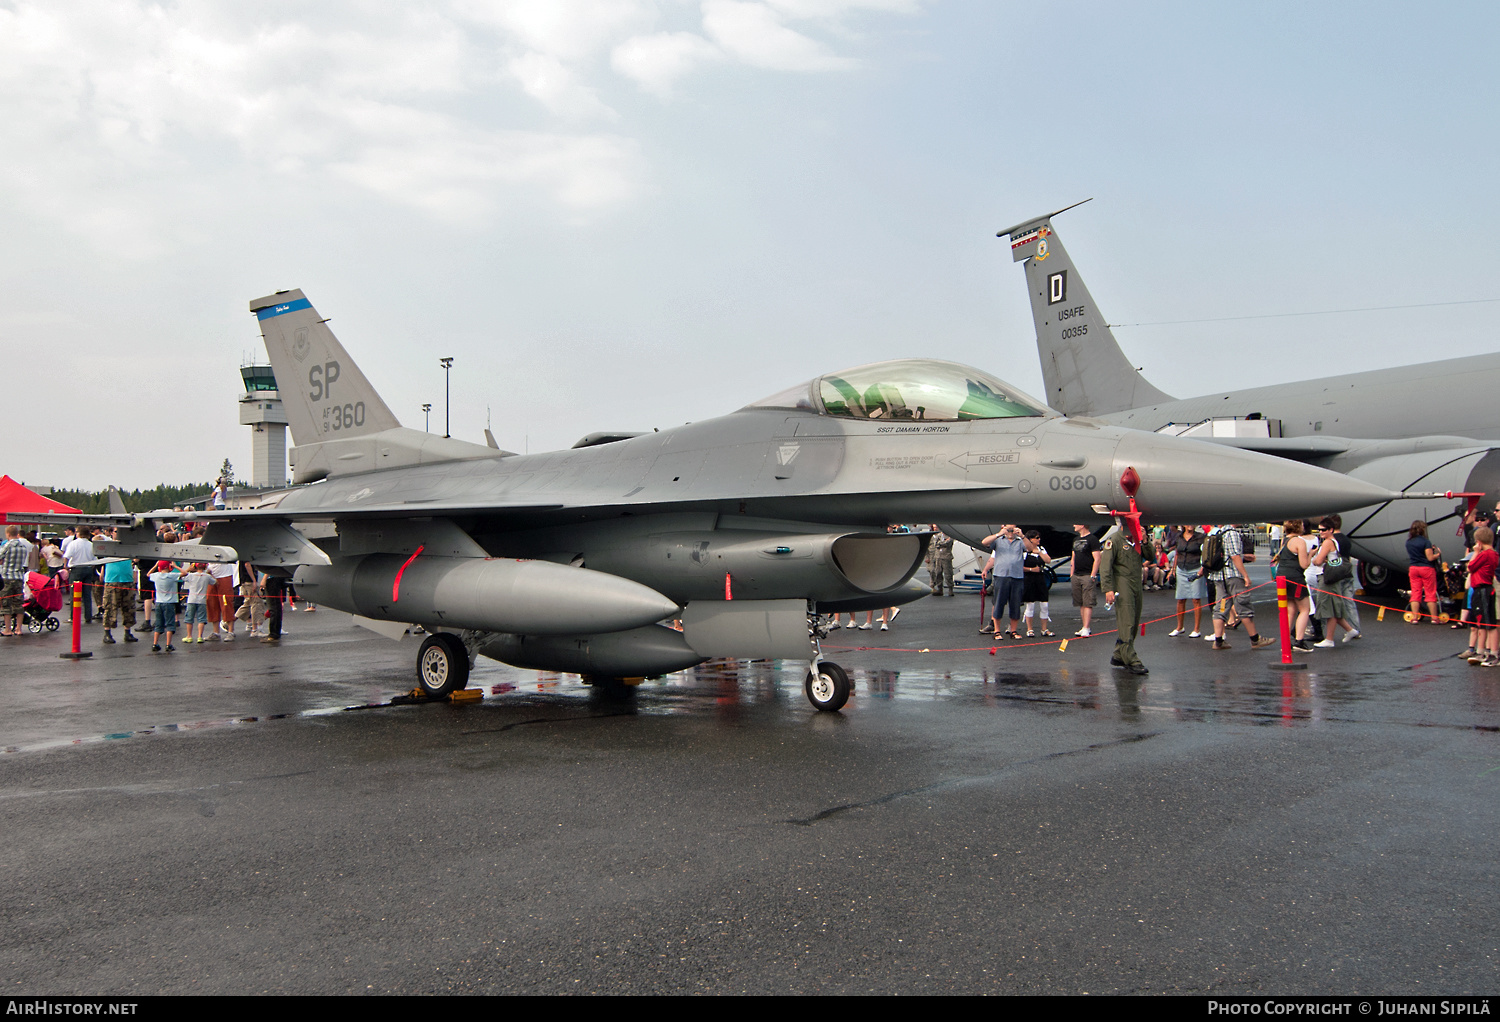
(97, 502)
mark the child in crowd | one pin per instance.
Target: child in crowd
(1484, 644)
(198, 583)
(164, 610)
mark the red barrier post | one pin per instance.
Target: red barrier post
(1286, 664)
(77, 653)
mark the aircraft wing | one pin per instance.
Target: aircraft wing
(1296, 447)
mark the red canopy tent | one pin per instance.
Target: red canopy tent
(16, 500)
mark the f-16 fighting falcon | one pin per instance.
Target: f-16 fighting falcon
(1430, 425)
(745, 528)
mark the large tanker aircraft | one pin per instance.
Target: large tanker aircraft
(746, 527)
(1430, 426)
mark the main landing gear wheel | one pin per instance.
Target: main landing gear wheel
(442, 665)
(827, 686)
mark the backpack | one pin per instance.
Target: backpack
(1213, 553)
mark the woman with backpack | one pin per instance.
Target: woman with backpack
(1335, 600)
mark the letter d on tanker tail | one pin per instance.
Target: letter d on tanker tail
(1085, 370)
(325, 395)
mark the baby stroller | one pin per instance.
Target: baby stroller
(46, 599)
(1452, 589)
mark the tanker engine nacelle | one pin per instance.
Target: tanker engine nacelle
(1379, 533)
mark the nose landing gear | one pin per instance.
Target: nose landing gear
(827, 686)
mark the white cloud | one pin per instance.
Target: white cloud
(754, 33)
(655, 62)
(127, 121)
(441, 166)
(568, 29)
(833, 10)
(554, 85)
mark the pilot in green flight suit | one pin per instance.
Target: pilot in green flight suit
(1120, 578)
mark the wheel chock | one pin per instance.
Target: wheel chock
(466, 695)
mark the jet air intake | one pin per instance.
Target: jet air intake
(484, 594)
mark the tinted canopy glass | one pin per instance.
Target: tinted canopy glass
(914, 389)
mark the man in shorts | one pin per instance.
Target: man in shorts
(1086, 549)
(1233, 583)
(13, 555)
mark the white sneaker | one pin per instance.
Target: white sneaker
(884, 627)
(1325, 644)
(1351, 636)
(228, 636)
(1174, 633)
(1195, 635)
(1207, 638)
(867, 626)
(1082, 633)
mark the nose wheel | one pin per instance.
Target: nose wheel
(827, 686)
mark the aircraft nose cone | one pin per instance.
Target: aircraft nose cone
(1206, 483)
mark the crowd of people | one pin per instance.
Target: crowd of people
(202, 600)
(1206, 567)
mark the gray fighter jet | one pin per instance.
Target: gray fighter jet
(745, 528)
(1430, 426)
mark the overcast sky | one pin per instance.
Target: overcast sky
(625, 214)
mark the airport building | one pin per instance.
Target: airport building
(261, 409)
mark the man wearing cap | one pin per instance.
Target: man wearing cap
(1120, 578)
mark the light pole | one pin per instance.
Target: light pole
(427, 411)
(447, 397)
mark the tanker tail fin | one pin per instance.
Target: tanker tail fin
(1085, 371)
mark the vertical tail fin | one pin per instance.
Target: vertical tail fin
(325, 395)
(1085, 371)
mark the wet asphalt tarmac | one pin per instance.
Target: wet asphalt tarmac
(219, 821)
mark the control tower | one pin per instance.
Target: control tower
(260, 407)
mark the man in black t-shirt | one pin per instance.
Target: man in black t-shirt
(1086, 549)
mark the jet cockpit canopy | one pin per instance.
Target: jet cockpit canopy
(914, 389)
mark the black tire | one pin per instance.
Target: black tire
(34, 626)
(828, 688)
(442, 665)
(52, 624)
(612, 688)
(1378, 580)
